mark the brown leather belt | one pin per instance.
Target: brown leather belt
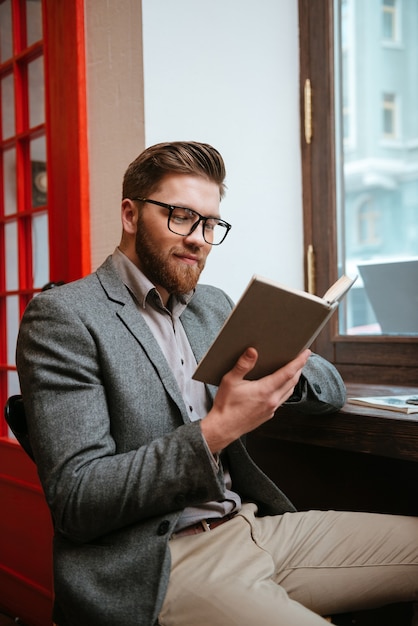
(202, 526)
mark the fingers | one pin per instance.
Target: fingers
(287, 377)
(248, 359)
(300, 361)
(246, 362)
(241, 405)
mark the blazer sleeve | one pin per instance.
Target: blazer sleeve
(320, 389)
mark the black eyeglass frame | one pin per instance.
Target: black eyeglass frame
(201, 218)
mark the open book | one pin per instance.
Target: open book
(278, 321)
(402, 404)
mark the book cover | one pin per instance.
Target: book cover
(278, 321)
(402, 404)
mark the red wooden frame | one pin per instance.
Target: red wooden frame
(25, 528)
(67, 157)
(26, 588)
(68, 181)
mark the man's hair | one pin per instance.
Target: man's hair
(178, 157)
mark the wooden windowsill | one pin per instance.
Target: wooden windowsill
(358, 429)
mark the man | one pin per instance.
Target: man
(159, 513)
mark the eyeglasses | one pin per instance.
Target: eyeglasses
(182, 221)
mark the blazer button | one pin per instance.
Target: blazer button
(163, 527)
(317, 388)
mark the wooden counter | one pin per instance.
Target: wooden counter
(359, 458)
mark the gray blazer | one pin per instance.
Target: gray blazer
(116, 453)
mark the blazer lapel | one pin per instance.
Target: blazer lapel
(125, 308)
(195, 329)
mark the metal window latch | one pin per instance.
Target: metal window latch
(308, 111)
(311, 269)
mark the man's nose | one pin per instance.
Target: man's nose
(196, 236)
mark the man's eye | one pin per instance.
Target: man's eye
(181, 218)
(210, 224)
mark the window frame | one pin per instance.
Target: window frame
(66, 111)
(65, 131)
(360, 359)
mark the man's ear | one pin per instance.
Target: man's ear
(129, 214)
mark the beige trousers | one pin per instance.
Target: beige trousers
(290, 570)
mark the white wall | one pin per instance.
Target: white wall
(226, 72)
(221, 71)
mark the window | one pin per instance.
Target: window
(361, 195)
(23, 159)
(389, 20)
(44, 217)
(44, 228)
(389, 116)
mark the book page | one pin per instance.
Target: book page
(405, 404)
(339, 288)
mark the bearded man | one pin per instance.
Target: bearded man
(160, 516)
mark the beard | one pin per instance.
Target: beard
(161, 269)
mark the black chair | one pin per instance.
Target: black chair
(14, 413)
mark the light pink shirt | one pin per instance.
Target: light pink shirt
(165, 325)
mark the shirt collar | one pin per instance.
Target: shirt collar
(143, 289)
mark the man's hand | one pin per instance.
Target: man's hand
(241, 405)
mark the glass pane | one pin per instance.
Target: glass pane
(40, 250)
(36, 92)
(13, 382)
(7, 106)
(39, 176)
(10, 229)
(33, 21)
(38, 149)
(9, 178)
(377, 165)
(12, 320)
(13, 388)
(5, 31)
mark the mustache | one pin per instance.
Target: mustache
(189, 249)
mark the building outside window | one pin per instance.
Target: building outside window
(379, 82)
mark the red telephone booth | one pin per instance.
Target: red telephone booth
(44, 236)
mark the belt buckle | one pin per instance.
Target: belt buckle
(205, 525)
